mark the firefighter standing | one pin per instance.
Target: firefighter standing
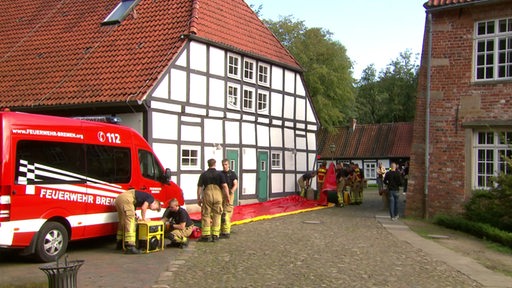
(232, 181)
(357, 185)
(209, 197)
(320, 174)
(126, 203)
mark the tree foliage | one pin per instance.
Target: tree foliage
(327, 68)
(390, 96)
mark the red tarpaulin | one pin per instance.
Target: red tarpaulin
(268, 209)
(329, 184)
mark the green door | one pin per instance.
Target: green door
(232, 156)
(262, 176)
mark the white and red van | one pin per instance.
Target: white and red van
(60, 176)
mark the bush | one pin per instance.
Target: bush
(480, 230)
(493, 206)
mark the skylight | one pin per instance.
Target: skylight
(122, 10)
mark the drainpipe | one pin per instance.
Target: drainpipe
(427, 115)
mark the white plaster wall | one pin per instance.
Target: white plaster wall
(300, 87)
(188, 183)
(178, 85)
(277, 182)
(277, 78)
(248, 134)
(164, 126)
(197, 89)
(162, 91)
(182, 59)
(289, 103)
(289, 81)
(289, 138)
(167, 154)
(249, 159)
(213, 132)
(300, 143)
(217, 93)
(263, 136)
(198, 56)
(311, 141)
(291, 182)
(249, 184)
(300, 109)
(276, 137)
(133, 120)
(309, 112)
(190, 133)
(217, 61)
(232, 132)
(276, 103)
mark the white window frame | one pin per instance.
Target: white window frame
(487, 150)
(248, 99)
(493, 50)
(233, 96)
(191, 164)
(233, 65)
(276, 160)
(263, 77)
(249, 70)
(370, 170)
(262, 104)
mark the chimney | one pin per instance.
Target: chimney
(354, 122)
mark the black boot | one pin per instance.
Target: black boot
(119, 245)
(130, 249)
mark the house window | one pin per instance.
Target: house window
(234, 66)
(491, 149)
(493, 45)
(123, 9)
(189, 158)
(262, 101)
(233, 96)
(276, 160)
(248, 100)
(263, 74)
(370, 170)
(249, 66)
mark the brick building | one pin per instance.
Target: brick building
(463, 122)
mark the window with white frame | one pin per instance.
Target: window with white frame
(262, 101)
(233, 96)
(189, 157)
(263, 76)
(248, 100)
(370, 170)
(491, 150)
(493, 49)
(276, 160)
(249, 67)
(234, 66)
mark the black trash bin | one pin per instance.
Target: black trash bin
(62, 276)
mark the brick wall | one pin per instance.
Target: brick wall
(455, 99)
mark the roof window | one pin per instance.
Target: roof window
(123, 9)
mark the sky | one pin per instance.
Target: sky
(372, 31)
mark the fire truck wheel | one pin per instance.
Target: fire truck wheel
(52, 242)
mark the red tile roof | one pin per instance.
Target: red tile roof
(55, 52)
(439, 3)
(389, 140)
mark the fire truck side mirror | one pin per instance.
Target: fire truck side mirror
(167, 175)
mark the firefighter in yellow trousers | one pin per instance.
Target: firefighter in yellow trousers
(357, 185)
(126, 203)
(232, 182)
(210, 189)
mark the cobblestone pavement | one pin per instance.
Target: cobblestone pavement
(330, 247)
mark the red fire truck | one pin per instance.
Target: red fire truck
(60, 176)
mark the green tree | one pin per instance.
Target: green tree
(390, 97)
(327, 68)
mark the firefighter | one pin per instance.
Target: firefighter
(126, 203)
(320, 174)
(358, 178)
(305, 182)
(227, 204)
(178, 225)
(210, 188)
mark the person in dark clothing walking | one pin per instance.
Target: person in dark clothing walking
(393, 181)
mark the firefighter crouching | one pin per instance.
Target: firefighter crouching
(126, 203)
(178, 224)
